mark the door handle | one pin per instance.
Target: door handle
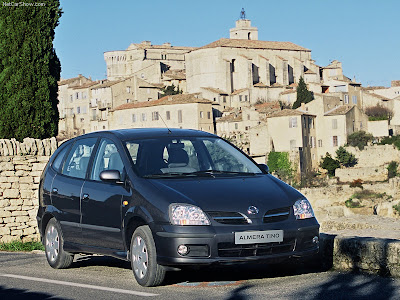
(55, 190)
(85, 197)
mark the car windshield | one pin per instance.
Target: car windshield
(188, 156)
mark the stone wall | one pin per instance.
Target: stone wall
(21, 165)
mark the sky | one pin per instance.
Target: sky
(362, 34)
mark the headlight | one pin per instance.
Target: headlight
(303, 210)
(184, 214)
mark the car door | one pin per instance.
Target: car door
(102, 200)
(66, 189)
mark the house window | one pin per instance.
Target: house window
(168, 113)
(240, 98)
(179, 116)
(233, 65)
(82, 120)
(310, 122)
(154, 115)
(346, 99)
(209, 115)
(292, 122)
(245, 98)
(248, 117)
(78, 110)
(71, 99)
(76, 95)
(236, 126)
(319, 143)
(354, 99)
(334, 123)
(143, 117)
(215, 99)
(334, 141)
(128, 89)
(305, 141)
(224, 99)
(133, 118)
(201, 115)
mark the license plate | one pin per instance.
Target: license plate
(258, 237)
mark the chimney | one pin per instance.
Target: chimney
(146, 43)
(167, 44)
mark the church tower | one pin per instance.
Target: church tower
(243, 29)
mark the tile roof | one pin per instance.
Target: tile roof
(291, 91)
(309, 72)
(149, 46)
(232, 117)
(378, 96)
(254, 44)
(268, 107)
(289, 112)
(238, 91)
(340, 110)
(260, 85)
(215, 90)
(106, 84)
(71, 80)
(176, 74)
(85, 85)
(167, 100)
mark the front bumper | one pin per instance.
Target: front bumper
(216, 245)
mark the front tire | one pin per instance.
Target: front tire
(54, 243)
(144, 258)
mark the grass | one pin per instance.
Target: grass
(365, 195)
(17, 246)
(352, 204)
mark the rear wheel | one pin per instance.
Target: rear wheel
(53, 243)
(144, 258)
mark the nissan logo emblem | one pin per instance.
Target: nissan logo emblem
(252, 210)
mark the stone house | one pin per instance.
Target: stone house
(177, 111)
(243, 66)
(294, 130)
(148, 62)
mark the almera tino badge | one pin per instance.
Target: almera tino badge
(252, 210)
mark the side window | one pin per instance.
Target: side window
(133, 149)
(77, 160)
(59, 159)
(107, 158)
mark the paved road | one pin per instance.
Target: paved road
(28, 276)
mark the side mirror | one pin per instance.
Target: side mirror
(110, 175)
(264, 168)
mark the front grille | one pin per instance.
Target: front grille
(276, 215)
(233, 250)
(232, 218)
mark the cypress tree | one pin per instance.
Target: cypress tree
(29, 70)
(303, 94)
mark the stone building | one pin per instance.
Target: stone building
(177, 111)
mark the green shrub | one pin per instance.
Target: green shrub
(397, 208)
(392, 169)
(279, 163)
(350, 203)
(359, 139)
(345, 158)
(330, 164)
(391, 140)
(378, 112)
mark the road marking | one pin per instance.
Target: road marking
(86, 286)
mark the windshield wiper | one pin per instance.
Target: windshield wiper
(168, 175)
(217, 172)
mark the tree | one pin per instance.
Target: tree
(171, 90)
(345, 158)
(29, 71)
(303, 94)
(359, 139)
(330, 164)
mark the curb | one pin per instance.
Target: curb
(364, 254)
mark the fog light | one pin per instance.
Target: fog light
(315, 240)
(183, 250)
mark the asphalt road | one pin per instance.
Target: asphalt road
(28, 276)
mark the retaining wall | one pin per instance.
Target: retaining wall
(21, 165)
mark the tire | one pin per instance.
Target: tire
(144, 258)
(53, 244)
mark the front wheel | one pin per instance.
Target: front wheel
(144, 258)
(53, 243)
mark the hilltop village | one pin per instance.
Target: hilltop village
(240, 88)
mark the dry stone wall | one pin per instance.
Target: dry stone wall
(21, 165)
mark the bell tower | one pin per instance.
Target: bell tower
(243, 29)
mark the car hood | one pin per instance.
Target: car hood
(230, 194)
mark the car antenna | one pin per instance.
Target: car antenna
(169, 130)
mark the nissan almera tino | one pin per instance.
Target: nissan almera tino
(163, 198)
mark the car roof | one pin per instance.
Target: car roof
(138, 133)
